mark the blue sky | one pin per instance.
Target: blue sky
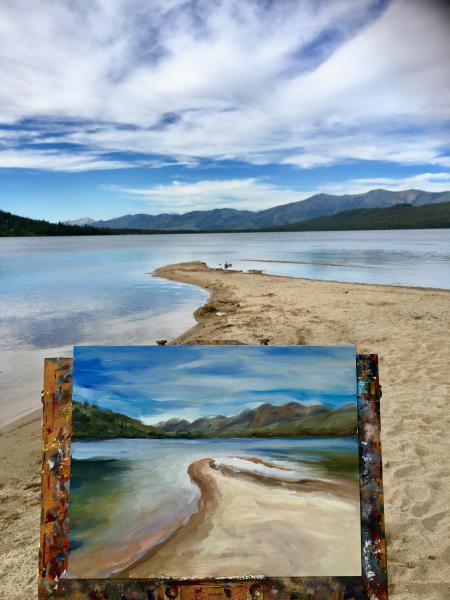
(125, 106)
(155, 384)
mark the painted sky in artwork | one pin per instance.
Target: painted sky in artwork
(158, 383)
(129, 106)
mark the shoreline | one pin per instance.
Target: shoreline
(209, 477)
(222, 298)
(204, 545)
(406, 326)
(173, 273)
(207, 492)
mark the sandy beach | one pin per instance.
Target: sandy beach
(407, 327)
(316, 517)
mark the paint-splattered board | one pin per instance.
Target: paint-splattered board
(54, 539)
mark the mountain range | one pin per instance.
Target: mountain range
(398, 216)
(266, 420)
(231, 219)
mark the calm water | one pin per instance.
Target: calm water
(57, 292)
(143, 487)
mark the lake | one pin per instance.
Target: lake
(126, 491)
(58, 292)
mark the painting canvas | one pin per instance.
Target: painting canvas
(214, 461)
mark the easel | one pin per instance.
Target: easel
(54, 537)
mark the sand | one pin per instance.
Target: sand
(20, 506)
(407, 327)
(303, 526)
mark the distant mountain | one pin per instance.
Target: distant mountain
(425, 209)
(400, 216)
(82, 221)
(314, 207)
(198, 220)
(267, 420)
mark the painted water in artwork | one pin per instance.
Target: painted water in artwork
(214, 461)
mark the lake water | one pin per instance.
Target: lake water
(125, 493)
(58, 292)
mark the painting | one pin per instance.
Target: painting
(214, 461)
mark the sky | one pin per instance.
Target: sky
(110, 107)
(155, 383)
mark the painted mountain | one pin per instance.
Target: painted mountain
(314, 207)
(288, 420)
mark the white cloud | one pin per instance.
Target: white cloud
(405, 149)
(432, 182)
(258, 194)
(390, 70)
(136, 60)
(53, 160)
(178, 196)
(57, 160)
(228, 79)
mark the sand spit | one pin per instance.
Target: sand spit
(301, 533)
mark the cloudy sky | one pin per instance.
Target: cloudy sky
(155, 384)
(116, 106)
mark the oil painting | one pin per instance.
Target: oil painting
(214, 461)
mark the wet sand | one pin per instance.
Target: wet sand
(407, 327)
